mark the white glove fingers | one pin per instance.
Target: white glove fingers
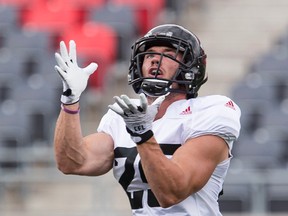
(74, 78)
(64, 52)
(61, 62)
(72, 51)
(91, 68)
(143, 102)
(138, 122)
(116, 109)
(121, 103)
(132, 107)
(62, 74)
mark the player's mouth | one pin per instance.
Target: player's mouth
(154, 72)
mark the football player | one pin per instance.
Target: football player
(170, 149)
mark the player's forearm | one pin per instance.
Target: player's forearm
(67, 141)
(165, 177)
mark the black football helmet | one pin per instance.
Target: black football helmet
(191, 73)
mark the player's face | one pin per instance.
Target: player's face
(167, 67)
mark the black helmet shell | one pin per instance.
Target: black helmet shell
(192, 71)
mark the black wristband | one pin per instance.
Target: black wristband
(141, 137)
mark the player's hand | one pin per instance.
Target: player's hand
(73, 77)
(138, 118)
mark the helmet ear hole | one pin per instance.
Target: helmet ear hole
(189, 76)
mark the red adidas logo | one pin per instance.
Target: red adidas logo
(230, 104)
(187, 111)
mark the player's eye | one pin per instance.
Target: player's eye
(170, 54)
(150, 55)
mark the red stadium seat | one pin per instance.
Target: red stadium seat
(146, 12)
(122, 19)
(52, 16)
(85, 6)
(96, 42)
(17, 3)
(87, 3)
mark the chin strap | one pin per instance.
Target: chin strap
(155, 87)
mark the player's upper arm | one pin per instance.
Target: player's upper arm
(99, 150)
(198, 158)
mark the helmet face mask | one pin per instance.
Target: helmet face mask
(191, 72)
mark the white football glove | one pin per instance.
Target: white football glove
(73, 77)
(138, 119)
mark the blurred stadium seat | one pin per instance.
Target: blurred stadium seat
(8, 23)
(263, 143)
(86, 4)
(13, 132)
(253, 111)
(254, 152)
(28, 47)
(121, 18)
(235, 198)
(51, 16)
(27, 78)
(8, 15)
(96, 42)
(36, 107)
(146, 13)
(261, 96)
(277, 198)
(176, 6)
(9, 75)
(10, 142)
(4, 92)
(275, 60)
(17, 3)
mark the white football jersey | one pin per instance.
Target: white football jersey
(184, 119)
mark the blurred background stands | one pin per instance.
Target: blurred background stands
(247, 46)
